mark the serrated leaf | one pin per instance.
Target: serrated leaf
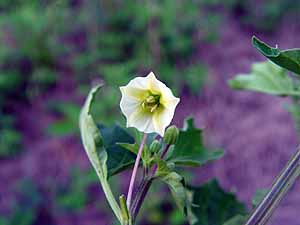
(119, 158)
(189, 149)
(288, 59)
(176, 185)
(94, 147)
(266, 77)
(214, 205)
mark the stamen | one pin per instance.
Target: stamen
(151, 103)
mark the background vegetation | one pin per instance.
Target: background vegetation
(50, 54)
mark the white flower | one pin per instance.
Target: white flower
(148, 104)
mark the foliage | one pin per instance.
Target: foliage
(288, 59)
(95, 149)
(74, 195)
(213, 205)
(10, 139)
(105, 147)
(264, 16)
(150, 36)
(25, 209)
(118, 158)
(193, 151)
(268, 78)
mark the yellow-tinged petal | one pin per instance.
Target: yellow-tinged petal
(148, 104)
(141, 120)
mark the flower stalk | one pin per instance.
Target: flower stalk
(134, 172)
(145, 186)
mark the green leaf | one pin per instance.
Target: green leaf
(213, 205)
(146, 154)
(189, 149)
(266, 77)
(94, 147)
(236, 220)
(288, 59)
(176, 185)
(119, 158)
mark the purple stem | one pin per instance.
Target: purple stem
(134, 172)
(144, 187)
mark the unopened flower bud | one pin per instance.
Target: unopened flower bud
(171, 135)
(155, 146)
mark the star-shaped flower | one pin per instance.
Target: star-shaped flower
(148, 104)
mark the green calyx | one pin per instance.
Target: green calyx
(151, 103)
(171, 135)
(155, 146)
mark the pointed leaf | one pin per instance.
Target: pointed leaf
(214, 205)
(94, 147)
(189, 149)
(288, 59)
(146, 154)
(266, 77)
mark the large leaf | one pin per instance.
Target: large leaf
(266, 77)
(288, 59)
(213, 205)
(189, 149)
(119, 158)
(176, 185)
(94, 147)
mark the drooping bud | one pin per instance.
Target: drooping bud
(155, 146)
(171, 135)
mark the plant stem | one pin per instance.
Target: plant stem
(134, 172)
(144, 188)
(285, 180)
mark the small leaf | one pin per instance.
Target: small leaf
(189, 149)
(94, 147)
(265, 77)
(130, 147)
(146, 154)
(288, 59)
(214, 205)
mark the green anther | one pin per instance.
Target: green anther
(150, 99)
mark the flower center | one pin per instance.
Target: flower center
(151, 103)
